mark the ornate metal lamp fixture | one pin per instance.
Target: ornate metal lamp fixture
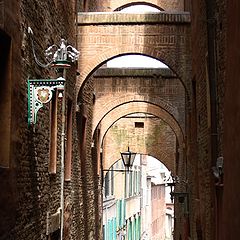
(180, 195)
(128, 158)
(61, 56)
(40, 91)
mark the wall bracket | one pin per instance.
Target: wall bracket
(40, 92)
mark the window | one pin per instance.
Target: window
(106, 184)
(112, 182)
(132, 182)
(139, 124)
(5, 101)
(109, 183)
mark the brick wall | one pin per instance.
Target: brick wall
(205, 143)
(154, 138)
(89, 166)
(203, 206)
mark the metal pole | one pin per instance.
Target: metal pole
(62, 159)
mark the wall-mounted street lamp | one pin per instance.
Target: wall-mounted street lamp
(127, 159)
(40, 91)
(179, 195)
(61, 56)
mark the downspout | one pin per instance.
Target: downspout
(62, 159)
(212, 73)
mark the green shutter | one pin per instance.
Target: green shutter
(109, 230)
(118, 216)
(114, 229)
(130, 231)
(136, 229)
(120, 212)
(133, 229)
(139, 226)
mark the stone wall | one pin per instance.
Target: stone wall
(29, 193)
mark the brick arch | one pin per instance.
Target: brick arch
(97, 61)
(164, 56)
(162, 157)
(139, 107)
(158, 157)
(160, 154)
(100, 111)
(165, 156)
(135, 3)
(175, 5)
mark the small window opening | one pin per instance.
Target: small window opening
(139, 124)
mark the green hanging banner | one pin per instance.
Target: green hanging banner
(40, 92)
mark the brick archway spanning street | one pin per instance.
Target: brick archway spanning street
(101, 110)
(163, 36)
(111, 148)
(164, 5)
(139, 107)
(153, 143)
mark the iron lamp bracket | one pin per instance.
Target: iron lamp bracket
(40, 92)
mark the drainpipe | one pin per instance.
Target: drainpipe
(62, 158)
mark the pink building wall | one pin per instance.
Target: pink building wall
(158, 211)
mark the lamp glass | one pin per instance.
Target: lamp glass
(128, 158)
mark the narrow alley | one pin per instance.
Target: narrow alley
(119, 120)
